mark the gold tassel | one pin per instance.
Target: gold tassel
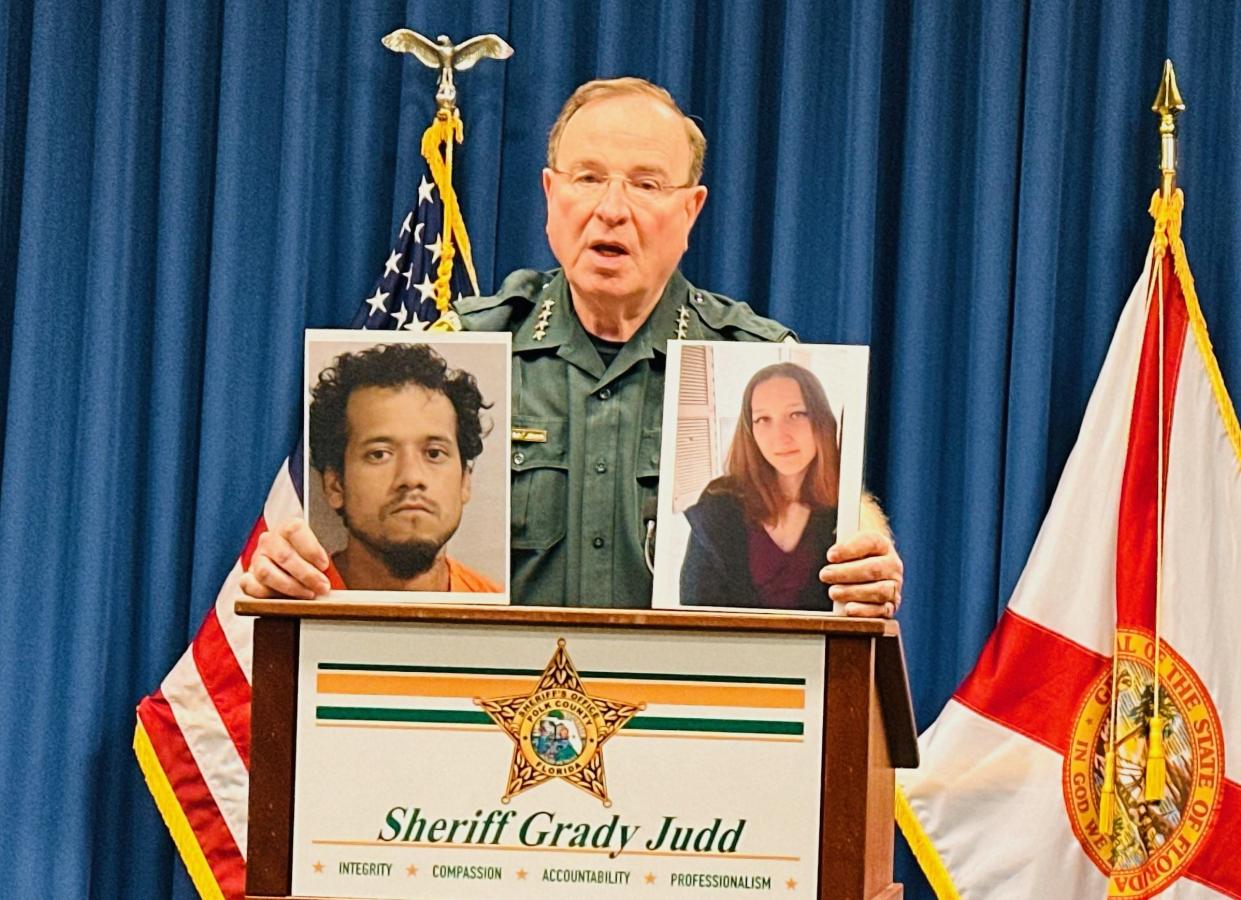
(1156, 765)
(1107, 794)
(1198, 327)
(445, 130)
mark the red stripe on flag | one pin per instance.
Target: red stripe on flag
(1031, 679)
(1217, 864)
(193, 795)
(252, 542)
(1136, 534)
(225, 682)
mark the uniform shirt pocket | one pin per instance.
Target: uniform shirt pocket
(540, 478)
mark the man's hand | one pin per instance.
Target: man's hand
(289, 561)
(865, 574)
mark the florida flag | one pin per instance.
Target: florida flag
(1007, 801)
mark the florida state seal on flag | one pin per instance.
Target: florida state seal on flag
(1088, 753)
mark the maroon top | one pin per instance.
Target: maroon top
(779, 578)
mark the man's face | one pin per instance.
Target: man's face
(404, 483)
(617, 247)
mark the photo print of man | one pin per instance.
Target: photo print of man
(405, 463)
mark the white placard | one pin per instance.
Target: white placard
(704, 395)
(693, 763)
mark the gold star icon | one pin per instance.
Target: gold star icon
(791, 884)
(650, 877)
(411, 870)
(521, 874)
(558, 730)
(318, 867)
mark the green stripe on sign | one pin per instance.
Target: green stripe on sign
(638, 723)
(378, 714)
(435, 670)
(535, 673)
(718, 726)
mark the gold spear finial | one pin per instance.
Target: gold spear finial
(1169, 105)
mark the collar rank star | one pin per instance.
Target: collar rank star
(559, 730)
(682, 323)
(545, 314)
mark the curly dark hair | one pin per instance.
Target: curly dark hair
(390, 366)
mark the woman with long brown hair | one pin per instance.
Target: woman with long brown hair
(760, 533)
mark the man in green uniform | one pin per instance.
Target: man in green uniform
(589, 345)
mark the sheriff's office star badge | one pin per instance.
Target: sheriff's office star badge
(559, 730)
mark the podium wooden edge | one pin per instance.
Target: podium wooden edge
(877, 730)
(896, 702)
(273, 718)
(565, 615)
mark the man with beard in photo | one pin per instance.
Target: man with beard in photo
(394, 434)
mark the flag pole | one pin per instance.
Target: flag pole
(437, 144)
(1168, 104)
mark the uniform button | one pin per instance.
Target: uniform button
(519, 458)
(597, 542)
(605, 393)
(601, 467)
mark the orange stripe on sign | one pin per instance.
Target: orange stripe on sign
(527, 849)
(773, 697)
(421, 685)
(623, 691)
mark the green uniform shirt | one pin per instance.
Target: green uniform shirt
(586, 438)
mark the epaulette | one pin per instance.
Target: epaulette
(735, 318)
(506, 308)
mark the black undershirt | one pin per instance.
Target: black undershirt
(607, 349)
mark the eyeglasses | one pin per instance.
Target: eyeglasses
(646, 190)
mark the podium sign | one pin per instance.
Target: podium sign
(460, 761)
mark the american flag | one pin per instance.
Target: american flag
(192, 737)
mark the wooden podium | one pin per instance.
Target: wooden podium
(867, 723)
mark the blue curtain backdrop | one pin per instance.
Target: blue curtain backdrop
(185, 186)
